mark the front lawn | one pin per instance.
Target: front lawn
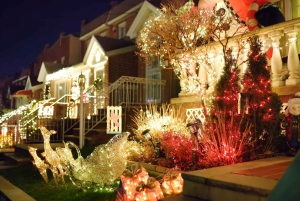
(28, 178)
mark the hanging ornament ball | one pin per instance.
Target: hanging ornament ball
(220, 12)
(213, 18)
(225, 26)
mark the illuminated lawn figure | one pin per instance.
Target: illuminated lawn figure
(101, 168)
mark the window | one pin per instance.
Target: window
(62, 60)
(153, 92)
(61, 90)
(122, 30)
(294, 8)
(98, 56)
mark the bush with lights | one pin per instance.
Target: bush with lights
(150, 125)
(264, 105)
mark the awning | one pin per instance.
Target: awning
(21, 93)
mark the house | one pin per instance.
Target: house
(106, 53)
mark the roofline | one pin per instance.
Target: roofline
(121, 51)
(146, 9)
(107, 24)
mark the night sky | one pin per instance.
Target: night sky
(27, 25)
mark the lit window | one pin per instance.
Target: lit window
(97, 57)
(62, 60)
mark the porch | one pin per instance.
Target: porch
(281, 45)
(62, 115)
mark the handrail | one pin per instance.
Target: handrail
(126, 85)
(31, 112)
(35, 117)
(114, 86)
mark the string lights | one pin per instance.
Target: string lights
(183, 36)
(99, 170)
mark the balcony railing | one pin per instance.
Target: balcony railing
(282, 37)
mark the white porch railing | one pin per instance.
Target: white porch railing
(126, 91)
(282, 37)
(55, 114)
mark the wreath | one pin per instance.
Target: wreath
(98, 84)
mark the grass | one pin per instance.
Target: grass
(28, 178)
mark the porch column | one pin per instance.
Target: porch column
(91, 76)
(267, 44)
(219, 64)
(244, 64)
(293, 60)
(211, 72)
(203, 78)
(276, 62)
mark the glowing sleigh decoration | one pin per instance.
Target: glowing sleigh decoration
(101, 168)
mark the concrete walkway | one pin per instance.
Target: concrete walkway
(9, 192)
(226, 183)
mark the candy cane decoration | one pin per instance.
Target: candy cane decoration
(251, 20)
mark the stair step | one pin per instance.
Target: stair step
(181, 198)
(16, 159)
(6, 165)
(3, 151)
(94, 129)
(222, 183)
(76, 137)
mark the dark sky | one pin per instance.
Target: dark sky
(27, 25)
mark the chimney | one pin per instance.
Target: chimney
(113, 4)
(46, 47)
(62, 34)
(83, 22)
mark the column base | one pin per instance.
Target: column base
(291, 82)
(277, 83)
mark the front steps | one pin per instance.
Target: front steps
(94, 137)
(21, 156)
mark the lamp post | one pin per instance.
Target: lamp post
(81, 82)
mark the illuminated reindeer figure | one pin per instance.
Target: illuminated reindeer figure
(57, 168)
(103, 166)
(39, 163)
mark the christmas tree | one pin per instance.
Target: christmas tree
(228, 88)
(264, 106)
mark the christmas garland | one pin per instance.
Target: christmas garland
(98, 84)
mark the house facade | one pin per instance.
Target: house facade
(105, 53)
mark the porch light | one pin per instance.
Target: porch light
(157, 146)
(81, 81)
(192, 128)
(148, 136)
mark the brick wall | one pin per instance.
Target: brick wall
(61, 48)
(123, 65)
